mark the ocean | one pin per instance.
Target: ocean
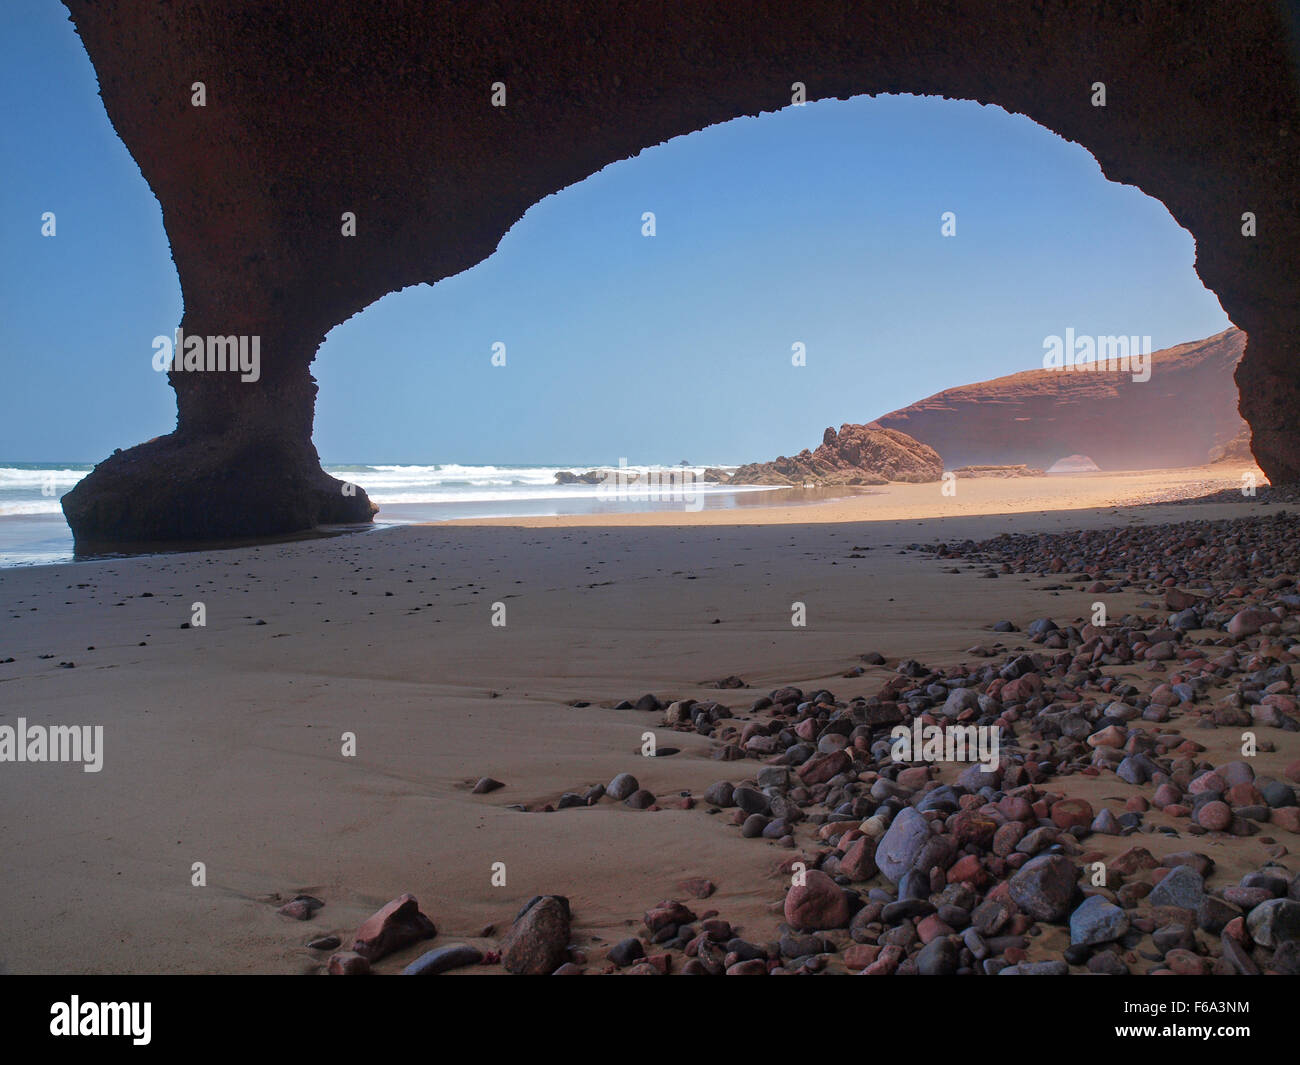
(33, 531)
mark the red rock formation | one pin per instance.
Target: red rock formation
(857, 454)
(1236, 450)
(1184, 412)
(318, 107)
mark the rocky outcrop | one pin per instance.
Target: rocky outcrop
(214, 487)
(313, 110)
(856, 455)
(1236, 450)
(590, 477)
(1185, 410)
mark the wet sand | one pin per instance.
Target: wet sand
(223, 743)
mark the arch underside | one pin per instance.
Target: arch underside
(316, 107)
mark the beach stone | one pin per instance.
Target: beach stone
(975, 777)
(1107, 963)
(444, 959)
(859, 861)
(992, 915)
(960, 700)
(301, 907)
(485, 785)
(1210, 781)
(720, 794)
(622, 787)
(940, 957)
(1273, 880)
(1182, 886)
(1236, 772)
(626, 951)
(1274, 922)
(1200, 862)
(330, 942)
(394, 926)
(751, 801)
(1008, 837)
(1214, 914)
(1110, 736)
(1287, 818)
(348, 963)
(669, 912)
(1044, 886)
(1106, 823)
(539, 938)
(860, 955)
(821, 767)
(902, 842)
(1183, 962)
(1238, 957)
(798, 946)
(1172, 936)
(1249, 621)
(905, 909)
(816, 904)
(1069, 813)
(1097, 921)
(1214, 816)
(1246, 898)
(640, 799)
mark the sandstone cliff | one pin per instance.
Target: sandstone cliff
(1186, 411)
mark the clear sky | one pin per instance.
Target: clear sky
(817, 225)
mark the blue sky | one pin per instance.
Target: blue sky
(818, 225)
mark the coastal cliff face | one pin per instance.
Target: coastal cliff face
(856, 455)
(315, 108)
(1183, 415)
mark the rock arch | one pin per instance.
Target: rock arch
(317, 107)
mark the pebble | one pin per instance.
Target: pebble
(816, 904)
(622, 787)
(330, 942)
(444, 959)
(348, 963)
(1274, 922)
(537, 942)
(394, 926)
(641, 799)
(1045, 886)
(1182, 886)
(1097, 921)
(301, 907)
(626, 951)
(907, 834)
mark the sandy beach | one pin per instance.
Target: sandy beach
(223, 743)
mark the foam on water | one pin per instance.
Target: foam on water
(32, 528)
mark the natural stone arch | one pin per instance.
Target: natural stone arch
(316, 107)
